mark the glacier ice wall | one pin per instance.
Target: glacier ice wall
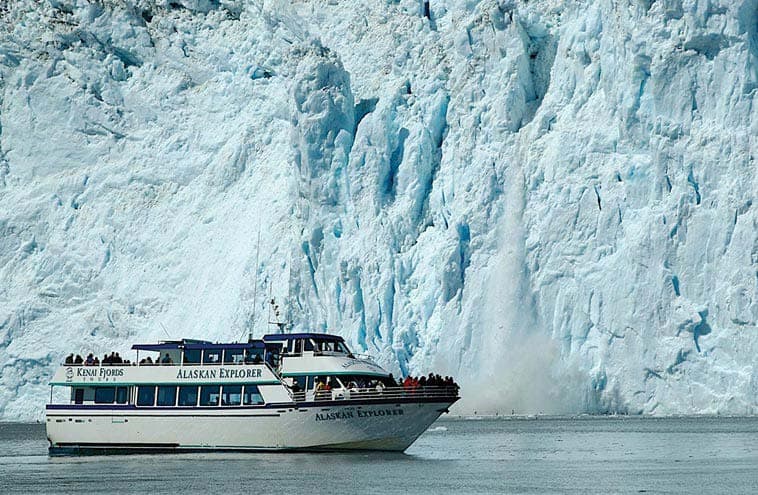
(551, 200)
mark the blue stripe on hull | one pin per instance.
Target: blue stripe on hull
(278, 405)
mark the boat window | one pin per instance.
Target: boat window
(308, 345)
(192, 356)
(209, 395)
(254, 356)
(212, 356)
(341, 348)
(252, 396)
(300, 380)
(167, 396)
(105, 395)
(188, 396)
(298, 346)
(272, 355)
(231, 395)
(146, 395)
(234, 356)
(78, 396)
(122, 395)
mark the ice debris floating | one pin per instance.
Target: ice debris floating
(550, 200)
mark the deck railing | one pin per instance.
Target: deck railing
(374, 393)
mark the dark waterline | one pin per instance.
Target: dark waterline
(545, 455)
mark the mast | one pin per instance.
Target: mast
(255, 286)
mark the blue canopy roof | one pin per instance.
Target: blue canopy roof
(197, 345)
(281, 337)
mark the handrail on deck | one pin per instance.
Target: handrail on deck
(375, 393)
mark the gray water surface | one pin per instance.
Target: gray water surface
(545, 455)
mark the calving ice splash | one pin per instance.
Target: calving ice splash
(303, 391)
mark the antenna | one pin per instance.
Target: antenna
(164, 330)
(255, 286)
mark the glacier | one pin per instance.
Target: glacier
(550, 200)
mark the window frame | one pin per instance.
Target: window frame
(256, 393)
(158, 395)
(218, 395)
(101, 390)
(215, 350)
(224, 392)
(191, 352)
(122, 399)
(179, 395)
(139, 397)
(233, 353)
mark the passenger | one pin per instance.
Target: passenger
(149, 360)
(408, 382)
(257, 359)
(320, 389)
(70, 358)
(295, 387)
(430, 382)
(78, 359)
(167, 359)
(97, 362)
(106, 359)
(391, 381)
(422, 381)
(90, 360)
(118, 359)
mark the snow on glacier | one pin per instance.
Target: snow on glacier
(551, 200)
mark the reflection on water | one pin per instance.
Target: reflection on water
(545, 455)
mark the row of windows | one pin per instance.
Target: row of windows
(169, 395)
(297, 346)
(204, 395)
(228, 356)
(109, 395)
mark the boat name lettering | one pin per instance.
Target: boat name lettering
(98, 372)
(223, 373)
(380, 412)
(360, 414)
(334, 415)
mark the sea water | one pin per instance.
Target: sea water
(466, 455)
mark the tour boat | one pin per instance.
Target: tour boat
(303, 391)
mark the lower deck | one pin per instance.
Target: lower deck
(346, 424)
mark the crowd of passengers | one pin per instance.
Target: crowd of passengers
(92, 360)
(433, 380)
(114, 358)
(324, 386)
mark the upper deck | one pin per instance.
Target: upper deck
(303, 354)
(281, 368)
(264, 361)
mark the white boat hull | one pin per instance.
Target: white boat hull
(340, 425)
